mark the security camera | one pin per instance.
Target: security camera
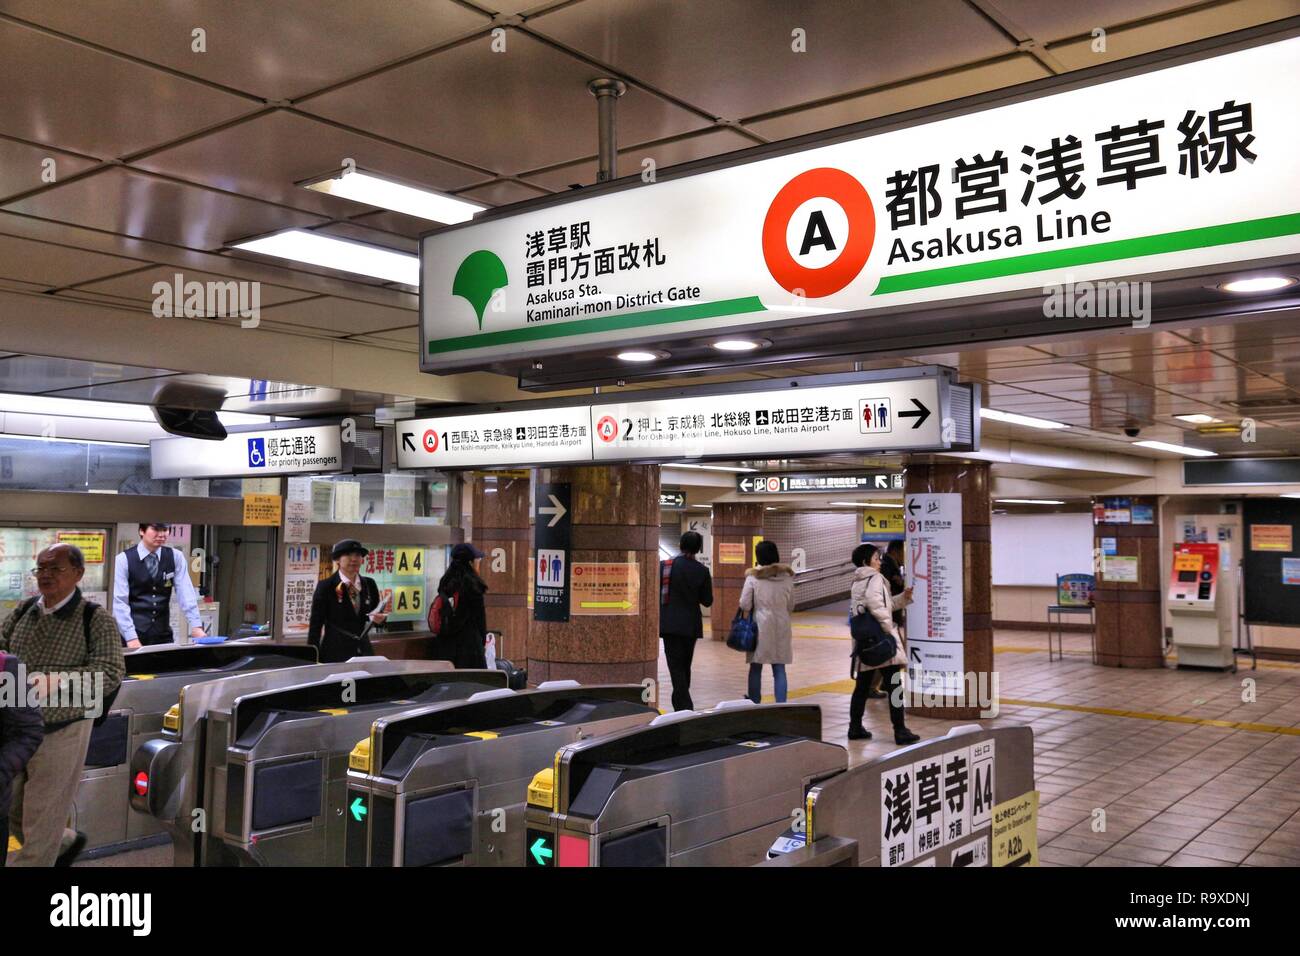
(1132, 431)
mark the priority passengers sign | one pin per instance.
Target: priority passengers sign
(1156, 170)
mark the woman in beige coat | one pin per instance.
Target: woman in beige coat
(871, 595)
(768, 594)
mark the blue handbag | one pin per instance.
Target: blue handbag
(744, 633)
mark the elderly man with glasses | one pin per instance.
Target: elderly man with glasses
(59, 633)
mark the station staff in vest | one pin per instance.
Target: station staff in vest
(144, 580)
(341, 605)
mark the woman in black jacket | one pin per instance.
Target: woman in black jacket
(463, 636)
(21, 730)
(690, 587)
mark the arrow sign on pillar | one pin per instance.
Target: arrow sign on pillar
(406, 441)
(358, 809)
(540, 851)
(920, 414)
(557, 511)
(912, 506)
(916, 656)
(746, 484)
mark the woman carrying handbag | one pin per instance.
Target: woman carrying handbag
(873, 607)
(768, 595)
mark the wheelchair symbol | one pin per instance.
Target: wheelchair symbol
(256, 453)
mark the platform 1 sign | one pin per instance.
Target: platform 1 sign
(1178, 165)
(819, 483)
(916, 410)
(935, 623)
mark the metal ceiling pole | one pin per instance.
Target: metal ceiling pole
(607, 90)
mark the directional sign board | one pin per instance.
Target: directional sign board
(935, 625)
(819, 483)
(917, 409)
(552, 537)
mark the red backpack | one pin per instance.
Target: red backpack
(441, 610)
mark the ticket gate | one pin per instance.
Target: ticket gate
(286, 773)
(447, 785)
(178, 776)
(154, 677)
(689, 789)
(931, 804)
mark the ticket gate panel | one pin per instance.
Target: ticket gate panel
(440, 775)
(286, 771)
(848, 806)
(153, 680)
(720, 785)
(168, 776)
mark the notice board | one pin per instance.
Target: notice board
(1270, 536)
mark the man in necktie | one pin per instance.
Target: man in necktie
(341, 606)
(144, 579)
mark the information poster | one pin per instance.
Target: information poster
(399, 499)
(18, 550)
(731, 553)
(1121, 568)
(301, 572)
(602, 589)
(935, 654)
(1291, 570)
(322, 501)
(704, 528)
(91, 544)
(1074, 590)
(1015, 831)
(1270, 537)
(399, 573)
(262, 510)
(1144, 514)
(347, 502)
(297, 521)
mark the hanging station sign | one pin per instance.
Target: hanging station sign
(1151, 169)
(916, 409)
(265, 453)
(818, 483)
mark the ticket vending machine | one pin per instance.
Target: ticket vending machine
(1203, 603)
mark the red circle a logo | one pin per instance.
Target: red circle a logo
(431, 441)
(838, 186)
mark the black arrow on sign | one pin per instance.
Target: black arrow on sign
(916, 655)
(406, 441)
(921, 414)
(912, 506)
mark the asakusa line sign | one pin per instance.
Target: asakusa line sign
(1185, 166)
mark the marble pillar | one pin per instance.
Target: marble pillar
(1130, 627)
(735, 526)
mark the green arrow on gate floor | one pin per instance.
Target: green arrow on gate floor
(541, 852)
(358, 809)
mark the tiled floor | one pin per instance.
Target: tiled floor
(1134, 767)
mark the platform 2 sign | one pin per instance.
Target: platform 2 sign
(1189, 164)
(552, 541)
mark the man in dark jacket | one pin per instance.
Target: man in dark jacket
(341, 605)
(690, 587)
(21, 730)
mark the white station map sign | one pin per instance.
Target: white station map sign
(897, 415)
(1179, 167)
(252, 454)
(935, 618)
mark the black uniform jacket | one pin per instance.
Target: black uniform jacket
(335, 628)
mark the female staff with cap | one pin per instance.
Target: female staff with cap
(341, 605)
(461, 640)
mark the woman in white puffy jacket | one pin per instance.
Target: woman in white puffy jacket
(871, 595)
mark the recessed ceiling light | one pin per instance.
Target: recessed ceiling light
(361, 186)
(740, 345)
(357, 257)
(1176, 449)
(1258, 284)
(76, 441)
(1028, 501)
(1011, 418)
(682, 464)
(642, 355)
(1198, 419)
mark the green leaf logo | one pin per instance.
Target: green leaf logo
(478, 277)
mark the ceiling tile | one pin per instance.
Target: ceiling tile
(339, 316)
(631, 161)
(135, 204)
(138, 286)
(902, 97)
(66, 95)
(389, 221)
(358, 233)
(504, 112)
(49, 266)
(23, 166)
(737, 58)
(275, 50)
(1050, 20)
(501, 192)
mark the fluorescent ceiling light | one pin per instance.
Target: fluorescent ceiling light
(682, 464)
(300, 245)
(363, 187)
(1176, 449)
(869, 504)
(1292, 495)
(108, 411)
(1028, 501)
(1198, 419)
(738, 345)
(76, 441)
(710, 507)
(1011, 418)
(1258, 284)
(641, 355)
